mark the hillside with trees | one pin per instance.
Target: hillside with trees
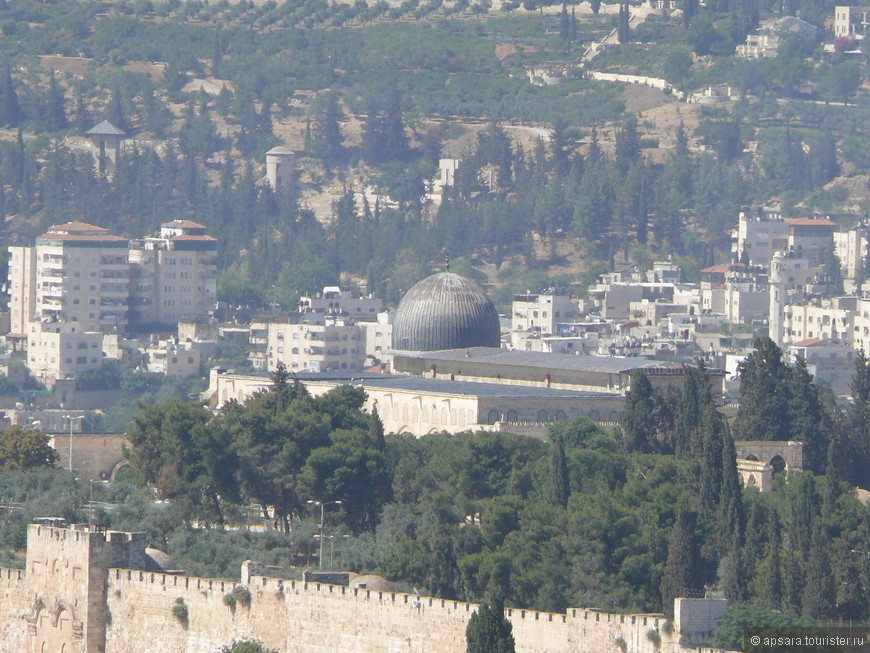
(378, 94)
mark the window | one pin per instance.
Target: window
(81, 360)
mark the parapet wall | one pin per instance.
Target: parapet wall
(318, 618)
(286, 615)
(72, 598)
(15, 605)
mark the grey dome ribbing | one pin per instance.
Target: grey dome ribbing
(445, 311)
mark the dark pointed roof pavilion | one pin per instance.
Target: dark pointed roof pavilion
(105, 128)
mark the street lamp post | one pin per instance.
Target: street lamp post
(322, 505)
(71, 418)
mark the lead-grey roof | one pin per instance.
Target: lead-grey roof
(444, 386)
(544, 360)
(445, 311)
(105, 128)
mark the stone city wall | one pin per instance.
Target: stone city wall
(15, 604)
(319, 618)
(86, 592)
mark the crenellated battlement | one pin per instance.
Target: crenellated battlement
(87, 589)
(10, 575)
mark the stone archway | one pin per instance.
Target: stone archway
(778, 463)
(55, 630)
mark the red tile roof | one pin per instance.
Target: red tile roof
(810, 222)
(723, 268)
(809, 342)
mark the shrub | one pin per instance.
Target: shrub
(179, 611)
(653, 636)
(621, 643)
(240, 595)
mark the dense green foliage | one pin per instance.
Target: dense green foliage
(278, 450)
(25, 448)
(488, 630)
(445, 66)
(475, 514)
(246, 646)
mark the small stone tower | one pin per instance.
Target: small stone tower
(107, 141)
(67, 571)
(280, 167)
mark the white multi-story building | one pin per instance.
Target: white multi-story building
(76, 273)
(334, 301)
(173, 276)
(335, 345)
(851, 248)
(56, 351)
(851, 20)
(759, 234)
(541, 312)
(75, 285)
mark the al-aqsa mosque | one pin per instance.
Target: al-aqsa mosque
(445, 311)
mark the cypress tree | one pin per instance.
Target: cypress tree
(733, 573)
(763, 408)
(488, 630)
(82, 117)
(394, 140)
(637, 422)
(852, 603)
(116, 109)
(560, 488)
(326, 136)
(55, 113)
(371, 135)
(376, 428)
(564, 23)
(820, 595)
(793, 582)
(771, 587)
(683, 567)
(806, 417)
(10, 111)
(851, 447)
(731, 509)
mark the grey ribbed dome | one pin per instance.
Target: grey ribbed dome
(445, 311)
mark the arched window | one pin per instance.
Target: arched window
(512, 416)
(542, 416)
(492, 418)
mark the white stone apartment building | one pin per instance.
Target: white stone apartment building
(56, 351)
(76, 273)
(739, 292)
(173, 276)
(541, 312)
(177, 360)
(851, 248)
(341, 303)
(851, 20)
(332, 346)
(759, 233)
